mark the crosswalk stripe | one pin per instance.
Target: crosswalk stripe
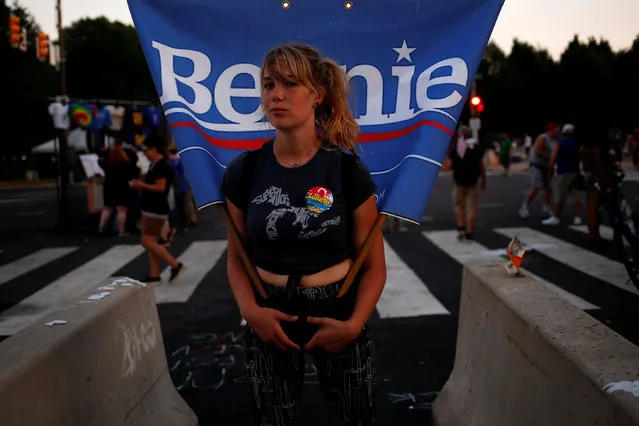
(472, 250)
(606, 232)
(199, 259)
(574, 256)
(71, 285)
(33, 261)
(405, 294)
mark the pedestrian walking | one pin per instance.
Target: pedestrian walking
(527, 144)
(599, 162)
(538, 172)
(304, 203)
(154, 206)
(120, 167)
(505, 153)
(469, 179)
(564, 161)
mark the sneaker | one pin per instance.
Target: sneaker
(524, 213)
(461, 233)
(175, 272)
(552, 220)
(577, 221)
(152, 281)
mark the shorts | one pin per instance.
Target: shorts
(538, 177)
(466, 197)
(152, 225)
(564, 185)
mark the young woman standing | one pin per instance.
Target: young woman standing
(307, 209)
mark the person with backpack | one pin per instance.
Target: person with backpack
(154, 206)
(304, 204)
(469, 180)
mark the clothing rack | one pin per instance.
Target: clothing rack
(105, 101)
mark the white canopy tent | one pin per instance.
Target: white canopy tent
(77, 140)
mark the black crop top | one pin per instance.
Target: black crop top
(296, 218)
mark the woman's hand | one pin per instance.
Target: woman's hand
(266, 324)
(333, 334)
(135, 184)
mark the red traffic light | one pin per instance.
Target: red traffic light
(476, 106)
(43, 46)
(14, 30)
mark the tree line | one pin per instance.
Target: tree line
(521, 90)
(589, 83)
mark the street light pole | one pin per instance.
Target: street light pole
(63, 159)
(63, 77)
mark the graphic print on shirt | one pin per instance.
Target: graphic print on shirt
(319, 199)
(277, 198)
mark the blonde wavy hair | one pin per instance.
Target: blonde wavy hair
(334, 121)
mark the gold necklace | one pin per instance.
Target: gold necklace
(296, 165)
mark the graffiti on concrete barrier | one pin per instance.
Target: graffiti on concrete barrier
(623, 386)
(413, 401)
(137, 341)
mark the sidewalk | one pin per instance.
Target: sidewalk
(27, 184)
(34, 184)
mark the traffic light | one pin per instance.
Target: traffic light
(476, 106)
(15, 31)
(42, 49)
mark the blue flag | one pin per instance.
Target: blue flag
(411, 64)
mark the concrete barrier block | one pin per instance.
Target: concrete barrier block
(525, 357)
(104, 366)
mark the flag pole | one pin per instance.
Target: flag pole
(363, 254)
(237, 240)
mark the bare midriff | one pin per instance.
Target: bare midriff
(318, 279)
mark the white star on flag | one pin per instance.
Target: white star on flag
(404, 52)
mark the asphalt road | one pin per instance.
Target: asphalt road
(202, 331)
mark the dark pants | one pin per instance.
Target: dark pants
(347, 378)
